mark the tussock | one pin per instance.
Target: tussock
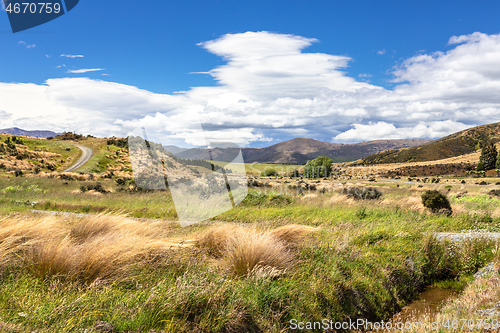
(293, 234)
(254, 250)
(250, 252)
(83, 249)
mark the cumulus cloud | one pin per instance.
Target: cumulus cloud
(270, 88)
(84, 70)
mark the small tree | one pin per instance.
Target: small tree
(489, 155)
(319, 167)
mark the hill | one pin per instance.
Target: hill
(300, 150)
(35, 134)
(464, 142)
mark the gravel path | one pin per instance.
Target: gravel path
(86, 156)
(459, 236)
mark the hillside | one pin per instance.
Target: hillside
(35, 134)
(464, 142)
(31, 155)
(300, 150)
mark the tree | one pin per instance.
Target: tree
(498, 162)
(319, 167)
(489, 155)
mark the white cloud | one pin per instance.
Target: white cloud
(381, 52)
(28, 46)
(84, 70)
(71, 56)
(383, 130)
(270, 87)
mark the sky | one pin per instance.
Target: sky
(255, 73)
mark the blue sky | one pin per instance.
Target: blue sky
(147, 54)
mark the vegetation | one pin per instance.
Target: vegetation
(326, 252)
(436, 202)
(489, 156)
(269, 172)
(457, 144)
(319, 167)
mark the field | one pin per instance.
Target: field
(295, 250)
(255, 169)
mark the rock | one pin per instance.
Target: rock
(488, 270)
(103, 326)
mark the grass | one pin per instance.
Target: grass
(255, 169)
(41, 154)
(274, 258)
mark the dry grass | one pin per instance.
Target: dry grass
(85, 249)
(250, 252)
(254, 252)
(293, 234)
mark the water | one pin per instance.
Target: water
(429, 303)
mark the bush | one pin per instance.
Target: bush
(436, 202)
(495, 192)
(364, 193)
(93, 187)
(269, 173)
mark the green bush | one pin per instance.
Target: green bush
(269, 173)
(436, 202)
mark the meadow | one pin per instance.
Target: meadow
(276, 257)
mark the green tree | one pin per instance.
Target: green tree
(489, 155)
(319, 167)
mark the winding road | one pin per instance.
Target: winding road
(86, 156)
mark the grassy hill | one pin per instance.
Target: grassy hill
(28, 154)
(464, 142)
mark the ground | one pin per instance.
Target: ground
(294, 249)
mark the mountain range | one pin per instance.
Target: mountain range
(36, 134)
(299, 151)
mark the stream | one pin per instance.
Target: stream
(429, 302)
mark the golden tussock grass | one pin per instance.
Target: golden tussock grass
(245, 251)
(84, 249)
(293, 234)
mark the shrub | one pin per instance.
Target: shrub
(436, 202)
(269, 173)
(93, 187)
(495, 192)
(364, 193)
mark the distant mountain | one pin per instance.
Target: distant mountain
(453, 145)
(300, 150)
(36, 134)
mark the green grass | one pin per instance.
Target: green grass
(255, 169)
